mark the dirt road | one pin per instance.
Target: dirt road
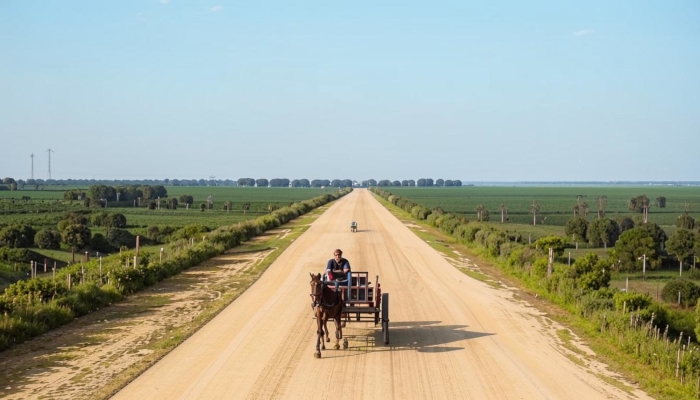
(451, 336)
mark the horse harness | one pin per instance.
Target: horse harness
(320, 303)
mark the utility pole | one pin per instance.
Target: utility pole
(32, 156)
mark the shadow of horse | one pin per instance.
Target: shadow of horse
(428, 336)
(421, 336)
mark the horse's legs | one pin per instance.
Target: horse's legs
(319, 336)
(325, 325)
(339, 333)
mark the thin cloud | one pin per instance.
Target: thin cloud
(583, 32)
(141, 17)
(164, 1)
(216, 9)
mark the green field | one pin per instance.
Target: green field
(556, 203)
(46, 207)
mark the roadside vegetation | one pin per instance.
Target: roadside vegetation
(30, 307)
(645, 326)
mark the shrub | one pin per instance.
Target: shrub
(121, 237)
(633, 301)
(48, 239)
(688, 290)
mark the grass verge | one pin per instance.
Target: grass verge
(628, 367)
(229, 292)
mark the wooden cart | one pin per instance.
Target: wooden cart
(366, 302)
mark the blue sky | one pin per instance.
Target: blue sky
(504, 91)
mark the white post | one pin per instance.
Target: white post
(680, 273)
(569, 259)
(627, 284)
(100, 269)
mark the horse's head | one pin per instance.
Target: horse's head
(316, 289)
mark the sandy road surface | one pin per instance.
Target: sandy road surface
(451, 336)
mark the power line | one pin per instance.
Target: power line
(50, 151)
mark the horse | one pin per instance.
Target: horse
(327, 304)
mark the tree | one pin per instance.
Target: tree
(625, 223)
(262, 182)
(371, 182)
(637, 204)
(121, 237)
(480, 210)
(246, 182)
(583, 209)
(504, 213)
(440, 183)
(681, 243)
(689, 292)
(685, 221)
(186, 199)
(100, 193)
(534, 209)
(17, 236)
(48, 239)
(556, 243)
(657, 233)
(660, 202)
(75, 236)
(632, 245)
(603, 230)
(577, 229)
(99, 243)
(449, 183)
(421, 182)
(457, 183)
(590, 272)
(602, 203)
(115, 221)
(395, 183)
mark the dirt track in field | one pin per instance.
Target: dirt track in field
(451, 336)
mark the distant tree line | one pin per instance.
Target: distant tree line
(423, 182)
(38, 184)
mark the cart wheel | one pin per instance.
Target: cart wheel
(385, 317)
(385, 331)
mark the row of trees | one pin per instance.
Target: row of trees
(73, 230)
(316, 183)
(99, 194)
(411, 183)
(246, 182)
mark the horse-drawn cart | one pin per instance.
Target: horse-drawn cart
(353, 226)
(356, 300)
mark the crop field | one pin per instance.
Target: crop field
(556, 203)
(46, 207)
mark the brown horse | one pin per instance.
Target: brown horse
(327, 304)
